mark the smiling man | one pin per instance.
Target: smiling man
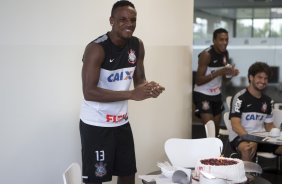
(110, 63)
(213, 65)
(251, 111)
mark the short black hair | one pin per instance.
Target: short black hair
(259, 67)
(218, 31)
(121, 3)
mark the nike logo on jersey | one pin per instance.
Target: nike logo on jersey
(112, 60)
(249, 105)
(214, 61)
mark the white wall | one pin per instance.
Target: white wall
(41, 45)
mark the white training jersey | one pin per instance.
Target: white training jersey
(116, 74)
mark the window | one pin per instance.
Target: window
(261, 27)
(240, 22)
(221, 23)
(244, 28)
(276, 28)
(200, 28)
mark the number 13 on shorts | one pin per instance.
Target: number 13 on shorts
(100, 155)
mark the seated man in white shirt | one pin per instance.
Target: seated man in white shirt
(251, 111)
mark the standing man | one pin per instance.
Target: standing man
(212, 67)
(251, 111)
(110, 63)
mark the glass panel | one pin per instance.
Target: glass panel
(221, 23)
(250, 22)
(261, 13)
(244, 13)
(276, 12)
(261, 28)
(276, 27)
(244, 28)
(221, 12)
(200, 28)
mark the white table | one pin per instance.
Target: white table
(262, 137)
(253, 179)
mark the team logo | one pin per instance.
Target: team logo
(264, 107)
(205, 105)
(100, 169)
(131, 56)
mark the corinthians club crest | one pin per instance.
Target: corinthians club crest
(131, 56)
(100, 169)
(205, 105)
(264, 107)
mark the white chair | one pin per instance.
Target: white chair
(186, 152)
(223, 132)
(277, 106)
(72, 174)
(228, 101)
(277, 120)
(277, 117)
(210, 128)
(251, 167)
(228, 125)
(231, 133)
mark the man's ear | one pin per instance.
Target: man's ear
(111, 21)
(251, 78)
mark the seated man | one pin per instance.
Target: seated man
(251, 111)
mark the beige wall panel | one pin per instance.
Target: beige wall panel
(42, 43)
(156, 120)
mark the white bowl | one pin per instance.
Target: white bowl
(274, 132)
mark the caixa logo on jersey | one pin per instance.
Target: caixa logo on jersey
(258, 117)
(124, 75)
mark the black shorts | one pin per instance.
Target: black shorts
(261, 147)
(106, 151)
(207, 104)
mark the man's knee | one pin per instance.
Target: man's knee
(279, 150)
(246, 151)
